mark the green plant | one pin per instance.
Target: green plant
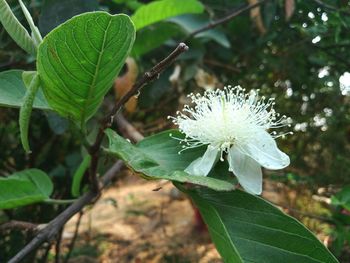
(76, 64)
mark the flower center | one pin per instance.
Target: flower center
(224, 118)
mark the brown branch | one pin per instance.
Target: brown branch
(21, 225)
(291, 210)
(226, 19)
(48, 233)
(336, 56)
(58, 246)
(147, 77)
(221, 65)
(71, 244)
(127, 130)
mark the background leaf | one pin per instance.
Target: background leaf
(53, 12)
(153, 36)
(79, 60)
(78, 175)
(23, 188)
(35, 34)
(12, 91)
(152, 93)
(160, 10)
(247, 227)
(342, 198)
(190, 23)
(157, 157)
(15, 29)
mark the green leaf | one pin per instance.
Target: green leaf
(53, 12)
(58, 124)
(152, 93)
(246, 228)
(160, 10)
(13, 90)
(36, 36)
(131, 4)
(342, 198)
(15, 29)
(78, 175)
(24, 188)
(152, 37)
(32, 81)
(157, 157)
(190, 23)
(79, 60)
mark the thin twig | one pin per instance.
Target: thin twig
(330, 7)
(44, 256)
(226, 19)
(304, 214)
(309, 215)
(21, 225)
(147, 77)
(221, 65)
(71, 245)
(128, 130)
(58, 246)
(336, 56)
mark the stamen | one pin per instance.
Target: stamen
(225, 117)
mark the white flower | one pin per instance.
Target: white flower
(230, 121)
(344, 82)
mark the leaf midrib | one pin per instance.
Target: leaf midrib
(97, 68)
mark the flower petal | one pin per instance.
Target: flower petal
(247, 171)
(264, 150)
(204, 164)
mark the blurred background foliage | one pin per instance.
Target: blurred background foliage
(292, 50)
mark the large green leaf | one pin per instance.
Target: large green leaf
(13, 90)
(246, 228)
(157, 157)
(15, 29)
(23, 188)
(79, 60)
(160, 10)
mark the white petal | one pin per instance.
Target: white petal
(264, 150)
(204, 164)
(247, 171)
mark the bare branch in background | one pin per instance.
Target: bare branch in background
(128, 130)
(331, 8)
(226, 19)
(72, 243)
(20, 225)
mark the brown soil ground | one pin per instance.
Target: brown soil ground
(135, 221)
